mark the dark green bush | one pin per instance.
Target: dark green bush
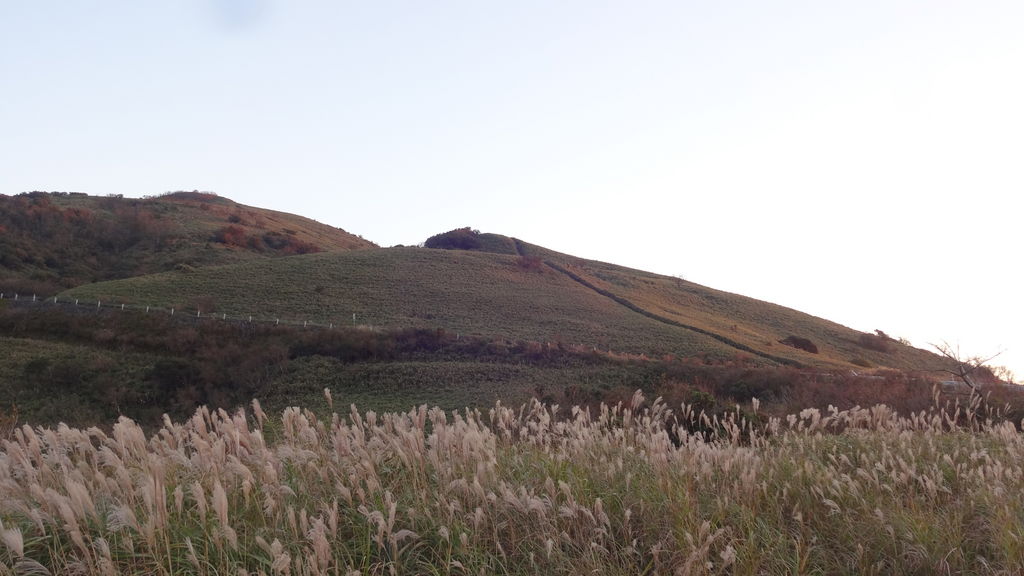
(800, 343)
(458, 239)
(879, 341)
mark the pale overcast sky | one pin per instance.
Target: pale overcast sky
(860, 160)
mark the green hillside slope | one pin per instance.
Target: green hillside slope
(540, 296)
(463, 292)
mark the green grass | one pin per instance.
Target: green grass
(50, 382)
(495, 295)
(462, 292)
(450, 385)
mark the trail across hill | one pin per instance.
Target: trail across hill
(630, 305)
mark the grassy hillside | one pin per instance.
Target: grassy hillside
(49, 242)
(390, 328)
(470, 293)
(751, 323)
(538, 295)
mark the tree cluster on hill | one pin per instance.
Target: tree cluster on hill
(45, 248)
(458, 239)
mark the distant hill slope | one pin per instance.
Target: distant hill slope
(52, 241)
(752, 324)
(538, 295)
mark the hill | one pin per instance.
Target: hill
(480, 318)
(470, 293)
(538, 295)
(53, 241)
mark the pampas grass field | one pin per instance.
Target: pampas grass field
(635, 488)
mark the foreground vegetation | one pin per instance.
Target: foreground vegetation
(626, 489)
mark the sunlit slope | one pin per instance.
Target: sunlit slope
(749, 322)
(465, 292)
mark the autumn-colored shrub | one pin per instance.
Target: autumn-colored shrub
(288, 244)
(532, 263)
(230, 235)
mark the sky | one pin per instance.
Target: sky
(860, 161)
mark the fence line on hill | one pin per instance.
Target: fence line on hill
(78, 304)
(83, 305)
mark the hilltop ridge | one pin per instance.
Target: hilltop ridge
(51, 241)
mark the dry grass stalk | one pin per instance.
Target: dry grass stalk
(630, 488)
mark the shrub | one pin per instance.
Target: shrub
(230, 235)
(458, 239)
(29, 286)
(763, 384)
(879, 341)
(288, 244)
(800, 343)
(532, 263)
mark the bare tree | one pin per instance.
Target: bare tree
(967, 369)
(1004, 374)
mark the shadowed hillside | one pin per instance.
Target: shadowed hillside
(53, 241)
